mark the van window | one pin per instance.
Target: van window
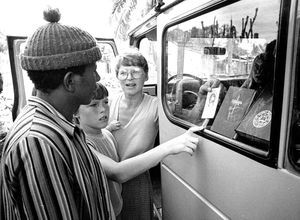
(23, 86)
(148, 48)
(105, 68)
(233, 46)
(294, 148)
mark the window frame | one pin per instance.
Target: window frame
(268, 157)
(18, 81)
(293, 121)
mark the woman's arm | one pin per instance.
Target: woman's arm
(129, 168)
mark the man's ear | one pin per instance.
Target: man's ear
(69, 81)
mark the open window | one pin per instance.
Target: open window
(233, 47)
(144, 37)
(23, 87)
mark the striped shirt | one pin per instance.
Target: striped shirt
(47, 170)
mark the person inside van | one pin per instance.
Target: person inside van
(262, 71)
(93, 119)
(260, 77)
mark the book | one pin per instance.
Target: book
(232, 110)
(256, 126)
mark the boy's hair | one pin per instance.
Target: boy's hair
(101, 91)
(132, 58)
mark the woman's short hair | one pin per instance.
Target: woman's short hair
(132, 58)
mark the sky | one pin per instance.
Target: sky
(22, 17)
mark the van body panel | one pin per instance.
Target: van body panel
(234, 185)
(238, 186)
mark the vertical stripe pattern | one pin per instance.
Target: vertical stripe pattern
(47, 170)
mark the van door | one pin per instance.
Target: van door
(22, 85)
(247, 164)
(144, 37)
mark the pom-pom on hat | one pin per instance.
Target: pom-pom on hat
(56, 46)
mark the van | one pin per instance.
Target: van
(248, 162)
(247, 165)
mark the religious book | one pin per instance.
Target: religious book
(256, 126)
(232, 110)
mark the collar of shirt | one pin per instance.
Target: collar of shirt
(69, 127)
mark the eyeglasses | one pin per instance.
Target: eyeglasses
(122, 75)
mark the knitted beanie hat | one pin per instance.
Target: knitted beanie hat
(56, 46)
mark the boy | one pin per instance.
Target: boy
(93, 119)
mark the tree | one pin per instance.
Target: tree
(3, 44)
(126, 11)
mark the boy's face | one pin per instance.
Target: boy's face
(94, 115)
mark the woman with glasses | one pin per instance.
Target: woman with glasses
(137, 114)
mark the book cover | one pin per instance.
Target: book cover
(256, 125)
(232, 110)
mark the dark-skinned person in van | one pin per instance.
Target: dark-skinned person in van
(135, 118)
(261, 76)
(47, 169)
(93, 119)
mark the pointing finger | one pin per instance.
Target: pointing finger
(195, 129)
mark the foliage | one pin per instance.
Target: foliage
(3, 44)
(124, 12)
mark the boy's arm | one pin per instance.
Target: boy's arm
(129, 168)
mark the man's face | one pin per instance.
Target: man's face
(86, 84)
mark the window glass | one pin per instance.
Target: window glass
(294, 149)
(232, 47)
(148, 49)
(6, 92)
(105, 69)
(28, 85)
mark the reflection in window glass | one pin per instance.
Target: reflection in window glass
(28, 85)
(6, 95)
(294, 149)
(106, 70)
(148, 49)
(234, 50)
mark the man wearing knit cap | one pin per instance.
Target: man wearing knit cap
(47, 170)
